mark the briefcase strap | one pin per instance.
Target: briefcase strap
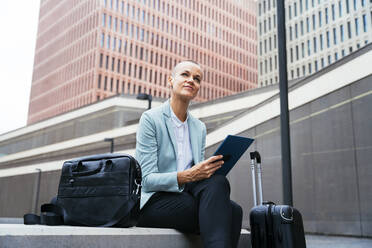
(53, 215)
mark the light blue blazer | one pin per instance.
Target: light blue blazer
(156, 150)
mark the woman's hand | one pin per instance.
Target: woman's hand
(200, 171)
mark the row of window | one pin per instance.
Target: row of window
(195, 6)
(298, 7)
(138, 32)
(267, 65)
(112, 85)
(311, 22)
(333, 8)
(148, 74)
(333, 36)
(139, 52)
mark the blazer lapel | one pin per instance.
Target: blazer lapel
(168, 123)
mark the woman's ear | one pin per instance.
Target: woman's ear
(170, 82)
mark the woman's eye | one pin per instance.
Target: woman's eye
(184, 74)
(197, 80)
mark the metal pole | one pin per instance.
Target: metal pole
(284, 113)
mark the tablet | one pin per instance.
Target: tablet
(232, 148)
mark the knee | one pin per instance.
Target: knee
(218, 182)
(237, 212)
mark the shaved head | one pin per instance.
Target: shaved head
(184, 61)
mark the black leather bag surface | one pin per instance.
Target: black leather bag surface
(98, 190)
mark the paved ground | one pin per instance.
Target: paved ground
(319, 241)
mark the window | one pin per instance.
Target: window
(109, 21)
(296, 31)
(320, 18)
(333, 12)
(342, 33)
(356, 26)
(321, 41)
(355, 4)
(303, 49)
(309, 68)
(336, 56)
(316, 65)
(364, 23)
(334, 36)
(290, 33)
(339, 8)
(326, 15)
(103, 19)
(308, 47)
(347, 6)
(302, 27)
(349, 29)
(307, 24)
(314, 44)
(297, 56)
(314, 22)
(99, 81)
(328, 43)
(108, 41)
(102, 39)
(329, 59)
(290, 12)
(322, 62)
(101, 60)
(105, 84)
(295, 9)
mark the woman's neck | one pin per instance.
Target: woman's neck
(179, 108)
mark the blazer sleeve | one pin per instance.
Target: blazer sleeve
(147, 156)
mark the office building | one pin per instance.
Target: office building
(89, 50)
(318, 34)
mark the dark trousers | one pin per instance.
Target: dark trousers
(203, 207)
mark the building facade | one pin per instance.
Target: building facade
(318, 33)
(89, 50)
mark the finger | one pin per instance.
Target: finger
(217, 163)
(215, 158)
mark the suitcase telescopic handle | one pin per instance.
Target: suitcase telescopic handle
(256, 157)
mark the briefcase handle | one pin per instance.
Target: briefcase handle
(76, 171)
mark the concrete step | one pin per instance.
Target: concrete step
(35, 236)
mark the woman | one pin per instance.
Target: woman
(179, 189)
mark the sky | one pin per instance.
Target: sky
(18, 27)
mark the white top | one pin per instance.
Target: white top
(184, 153)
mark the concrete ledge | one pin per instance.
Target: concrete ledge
(35, 236)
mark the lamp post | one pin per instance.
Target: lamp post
(112, 143)
(144, 96)
(284, 113)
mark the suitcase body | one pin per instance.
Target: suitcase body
(274, 226)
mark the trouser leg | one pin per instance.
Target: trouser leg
(170, 210)
(236, 227)
(218, 216)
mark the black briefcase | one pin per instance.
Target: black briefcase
(98, 190)
(273, 226)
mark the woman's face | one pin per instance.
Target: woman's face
(185, 80)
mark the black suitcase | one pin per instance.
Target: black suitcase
(273, 226)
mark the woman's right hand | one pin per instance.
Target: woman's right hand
(200, 171)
